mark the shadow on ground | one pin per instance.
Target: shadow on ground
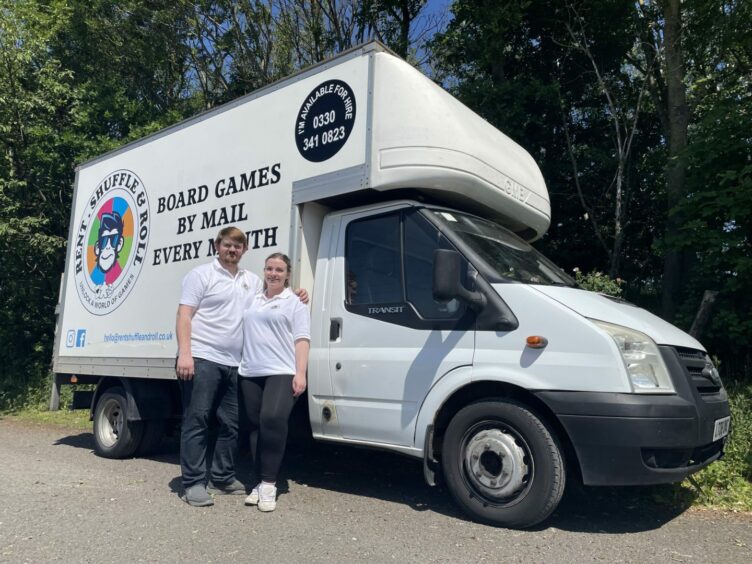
(395, 478)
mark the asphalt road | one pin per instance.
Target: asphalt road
(60, 502)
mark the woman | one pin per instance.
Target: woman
(276, 340)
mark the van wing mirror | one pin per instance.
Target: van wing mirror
(446, 280)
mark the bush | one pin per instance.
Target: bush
(598, 282)
(32, 393)
(727, 484)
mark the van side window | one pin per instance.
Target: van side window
(372, 261)
(421, 240)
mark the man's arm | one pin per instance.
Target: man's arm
(184, 366)
(302, 293)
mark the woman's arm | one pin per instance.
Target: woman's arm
(299, 382)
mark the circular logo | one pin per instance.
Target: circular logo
(111, 242)
(325, 120)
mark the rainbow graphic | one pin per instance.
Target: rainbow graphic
(96, 275)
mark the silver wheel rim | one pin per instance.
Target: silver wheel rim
(496, 464)
(110, 423)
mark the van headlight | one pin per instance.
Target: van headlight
(647, 372)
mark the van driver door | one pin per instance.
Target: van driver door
(389, 340)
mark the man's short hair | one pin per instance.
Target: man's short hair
(232, 233)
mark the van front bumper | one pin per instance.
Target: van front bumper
(624, 439)
(641, 439)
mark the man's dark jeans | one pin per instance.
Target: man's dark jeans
(213, 387)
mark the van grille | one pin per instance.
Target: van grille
(694, 363)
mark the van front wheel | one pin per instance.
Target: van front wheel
(502, 464)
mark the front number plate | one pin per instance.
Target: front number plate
(721, 428)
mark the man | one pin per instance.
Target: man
(210, 340)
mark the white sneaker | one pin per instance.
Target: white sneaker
(267, 499)
(253, 497)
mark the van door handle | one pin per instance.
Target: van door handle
(335, 330)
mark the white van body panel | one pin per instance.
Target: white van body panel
(439, 145)
(602, 308)
(578, 357)
(437, 396)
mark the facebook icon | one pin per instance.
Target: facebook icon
(75, 338)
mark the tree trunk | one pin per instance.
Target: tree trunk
(674, 265)
(703, 313)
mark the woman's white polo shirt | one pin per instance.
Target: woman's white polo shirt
(270, 328)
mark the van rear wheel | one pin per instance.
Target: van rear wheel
(502, 464)
(114, 435)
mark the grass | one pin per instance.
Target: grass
(29, 404)
(78, 419)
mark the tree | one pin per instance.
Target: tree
(236, 47)
(622, 109)
(38, 104)
(76, 79)
(557, 78)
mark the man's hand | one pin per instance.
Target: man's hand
(302, 293)
(184, 367)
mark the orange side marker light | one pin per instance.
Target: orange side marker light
(536, 342)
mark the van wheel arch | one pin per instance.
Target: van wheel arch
(501, 391)
(148, 408)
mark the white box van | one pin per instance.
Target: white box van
(438, 331)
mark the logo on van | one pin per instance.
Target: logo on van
(325, 121)
(111, 242)
(386, 309)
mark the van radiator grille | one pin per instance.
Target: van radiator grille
(694, 362)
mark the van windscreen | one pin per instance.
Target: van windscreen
(505, 253)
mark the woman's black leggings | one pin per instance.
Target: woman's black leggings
(268, 401)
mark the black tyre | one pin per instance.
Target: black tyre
(154, 432)
(114, 435)
(502, 464)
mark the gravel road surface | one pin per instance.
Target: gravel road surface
(60, 502)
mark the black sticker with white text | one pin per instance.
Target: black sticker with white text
(325, 120)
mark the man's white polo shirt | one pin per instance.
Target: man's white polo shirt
(270, 328)
(220, 300)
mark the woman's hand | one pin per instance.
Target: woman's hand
(298, 384)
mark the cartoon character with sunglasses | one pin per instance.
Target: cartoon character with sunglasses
(109, 243)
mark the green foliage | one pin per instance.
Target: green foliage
(38, 106)
(727, 483)
(596, 281)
